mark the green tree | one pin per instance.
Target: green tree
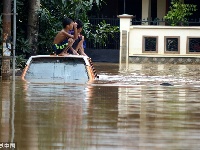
(22, 43)
(33, 25)
(179, 13)
(1, 31)
(1, 27)
(51, 15)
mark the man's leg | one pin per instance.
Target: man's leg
(81, 51)
(65, 50)
(80, 43)
(79, 47)
(71, 42)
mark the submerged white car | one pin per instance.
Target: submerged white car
(59, 69)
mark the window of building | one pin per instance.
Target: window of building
(193, 45)
(150, 44)
(172, 44)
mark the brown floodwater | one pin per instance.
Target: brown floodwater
(139, 107)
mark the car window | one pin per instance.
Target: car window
(62, 70)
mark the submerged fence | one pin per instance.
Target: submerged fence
(112, 41)
(162, 21)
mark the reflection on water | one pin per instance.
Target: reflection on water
(124, 109)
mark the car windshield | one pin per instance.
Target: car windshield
(57, 70)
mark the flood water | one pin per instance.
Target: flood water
(128, 108)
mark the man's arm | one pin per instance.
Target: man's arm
(75, 31)
(68, 34)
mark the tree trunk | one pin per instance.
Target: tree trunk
(33, 20)
(5, 69)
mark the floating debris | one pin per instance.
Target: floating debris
(166, 84)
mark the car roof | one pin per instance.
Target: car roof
(54, 56)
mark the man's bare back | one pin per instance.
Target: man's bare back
(61, 36)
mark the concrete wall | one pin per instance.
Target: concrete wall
(171, 44)
(137, 33)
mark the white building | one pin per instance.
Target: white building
(153, 43)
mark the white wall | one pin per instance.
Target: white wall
(137, 32)
(125, 22)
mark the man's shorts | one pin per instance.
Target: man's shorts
(58, 48)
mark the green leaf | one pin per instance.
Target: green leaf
(178, 13)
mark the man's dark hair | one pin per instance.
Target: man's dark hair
(79, 24)
(66, 21)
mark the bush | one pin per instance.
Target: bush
(179, 13)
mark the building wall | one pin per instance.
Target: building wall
(134, 7)
(113, 8)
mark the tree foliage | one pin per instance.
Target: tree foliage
(179, 13)
(1, 30)
(51, 15)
